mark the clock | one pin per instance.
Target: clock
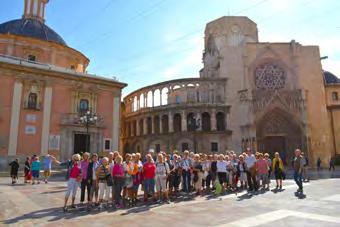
(235, 28)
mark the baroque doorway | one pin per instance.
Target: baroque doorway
(81, 143)
(278, 131)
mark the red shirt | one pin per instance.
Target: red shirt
(75, 171)
(149, 170)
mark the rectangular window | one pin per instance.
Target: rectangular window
(107, 144)
(214, 147)
(31, 58)
(335, 96)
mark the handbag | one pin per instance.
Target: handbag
(108, 177)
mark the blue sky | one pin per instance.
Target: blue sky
(142, 42)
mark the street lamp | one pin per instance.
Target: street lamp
(87, 119)
(194, 125)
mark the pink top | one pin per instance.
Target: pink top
(262, 166)
(118, 170)
(75, 171)
(84, 166)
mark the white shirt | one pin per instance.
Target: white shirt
(186, 164)
(250, 161)
(94, 168)
(221, 166)
(162, 169)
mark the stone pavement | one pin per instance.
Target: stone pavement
(40, 205)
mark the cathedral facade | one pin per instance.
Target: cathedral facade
(271, 97)
(45, 94)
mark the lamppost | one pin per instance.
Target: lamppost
(88, 118)
(194, 125)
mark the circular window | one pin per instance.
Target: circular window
(269, 77)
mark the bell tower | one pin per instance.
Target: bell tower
(35, 9)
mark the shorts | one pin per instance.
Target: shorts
(94, 189)
(47, 173)
(263, 177)
(160, 183)
(149, 185)
(222, 177)
(35, 173)
(278, 175)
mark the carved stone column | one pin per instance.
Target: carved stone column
(15, 118)
(213, 120)
(145, 128)
(138, 133)
(184, 121)
(152, 124)
(160, 125)
(171, 125)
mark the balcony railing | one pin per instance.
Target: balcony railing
(29, 106)
(73, 119)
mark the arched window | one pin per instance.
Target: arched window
(191, 122)
(206, 121)
(83, 105)
(220, 121)
(156, 124)
(157, 97)
(128, 129)
(141, 101)
(134, 128)
(177, 122)
(141, 127)
(149, 125)
(32, 101)
(135, 104)
(165, 124)
(149, 98)
(165, 92)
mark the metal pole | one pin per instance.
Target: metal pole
(87, 134)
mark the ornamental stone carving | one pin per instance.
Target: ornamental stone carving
(269, 77)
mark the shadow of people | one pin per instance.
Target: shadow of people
(54, 214)
(300, 195)
(245, 196)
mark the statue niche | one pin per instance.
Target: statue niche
(211, 59)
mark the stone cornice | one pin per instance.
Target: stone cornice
(40, 72)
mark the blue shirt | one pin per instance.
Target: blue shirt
(47, 163)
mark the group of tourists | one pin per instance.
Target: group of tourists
(32, 169)
(115, 181)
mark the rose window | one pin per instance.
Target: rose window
(269, 77)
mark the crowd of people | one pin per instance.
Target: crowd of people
(32, 169)
(115, 180)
